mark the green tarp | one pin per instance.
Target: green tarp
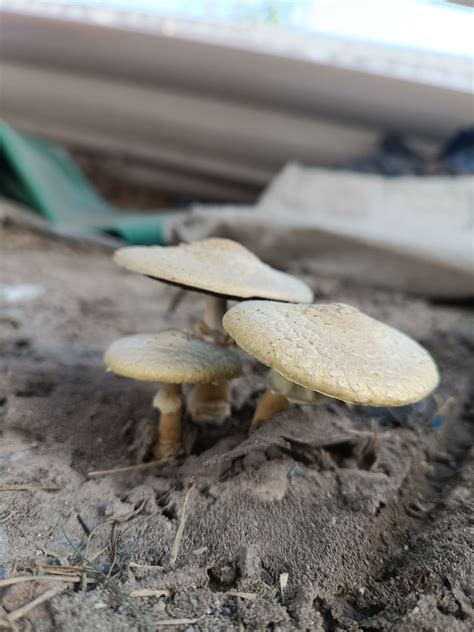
(43, 177)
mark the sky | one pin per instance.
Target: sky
(433, 25)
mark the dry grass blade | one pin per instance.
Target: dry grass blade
(182, 522)
(16, 615)
(38, 578)
(89, 540)
(60, 570)
(150, 592)
(177, 621)
(29, 488)
(127, 468)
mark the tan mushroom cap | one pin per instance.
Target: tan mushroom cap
(218, 266)
(336, 350)
(172, 356)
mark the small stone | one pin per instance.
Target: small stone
(295, 472)
(200, 551)
(160, 606)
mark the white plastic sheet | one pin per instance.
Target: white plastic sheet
(409, 233)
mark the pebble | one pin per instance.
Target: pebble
(200, 551)
(295, 472)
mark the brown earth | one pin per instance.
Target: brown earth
(366, 513)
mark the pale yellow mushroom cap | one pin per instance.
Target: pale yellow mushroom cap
(217, 266)
(336, 350)
(172, 356)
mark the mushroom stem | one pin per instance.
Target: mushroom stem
(169, 401)
(209, 403)
(295, 393)
(269, 404)
(214, 310)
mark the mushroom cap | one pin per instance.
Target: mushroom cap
(172, 356)
(216, 266)
(336, 350)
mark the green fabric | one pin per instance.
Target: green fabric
(43, 176)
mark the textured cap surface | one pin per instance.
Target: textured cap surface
(172, 356)
(219, 266)
(336, 350)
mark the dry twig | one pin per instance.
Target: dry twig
(4, 583)
(177, 621)
(179, 532)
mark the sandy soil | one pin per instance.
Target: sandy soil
(364, 513)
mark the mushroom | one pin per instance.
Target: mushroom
(223, 269)
(332, 349)
(173, 358)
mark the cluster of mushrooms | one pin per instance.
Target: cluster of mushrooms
(313, 351)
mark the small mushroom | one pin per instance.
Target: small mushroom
(223, 269)
(173, 358)
(332, 349)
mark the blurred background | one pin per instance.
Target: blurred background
(168, 105)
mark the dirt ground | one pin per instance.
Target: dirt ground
(329, 518)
